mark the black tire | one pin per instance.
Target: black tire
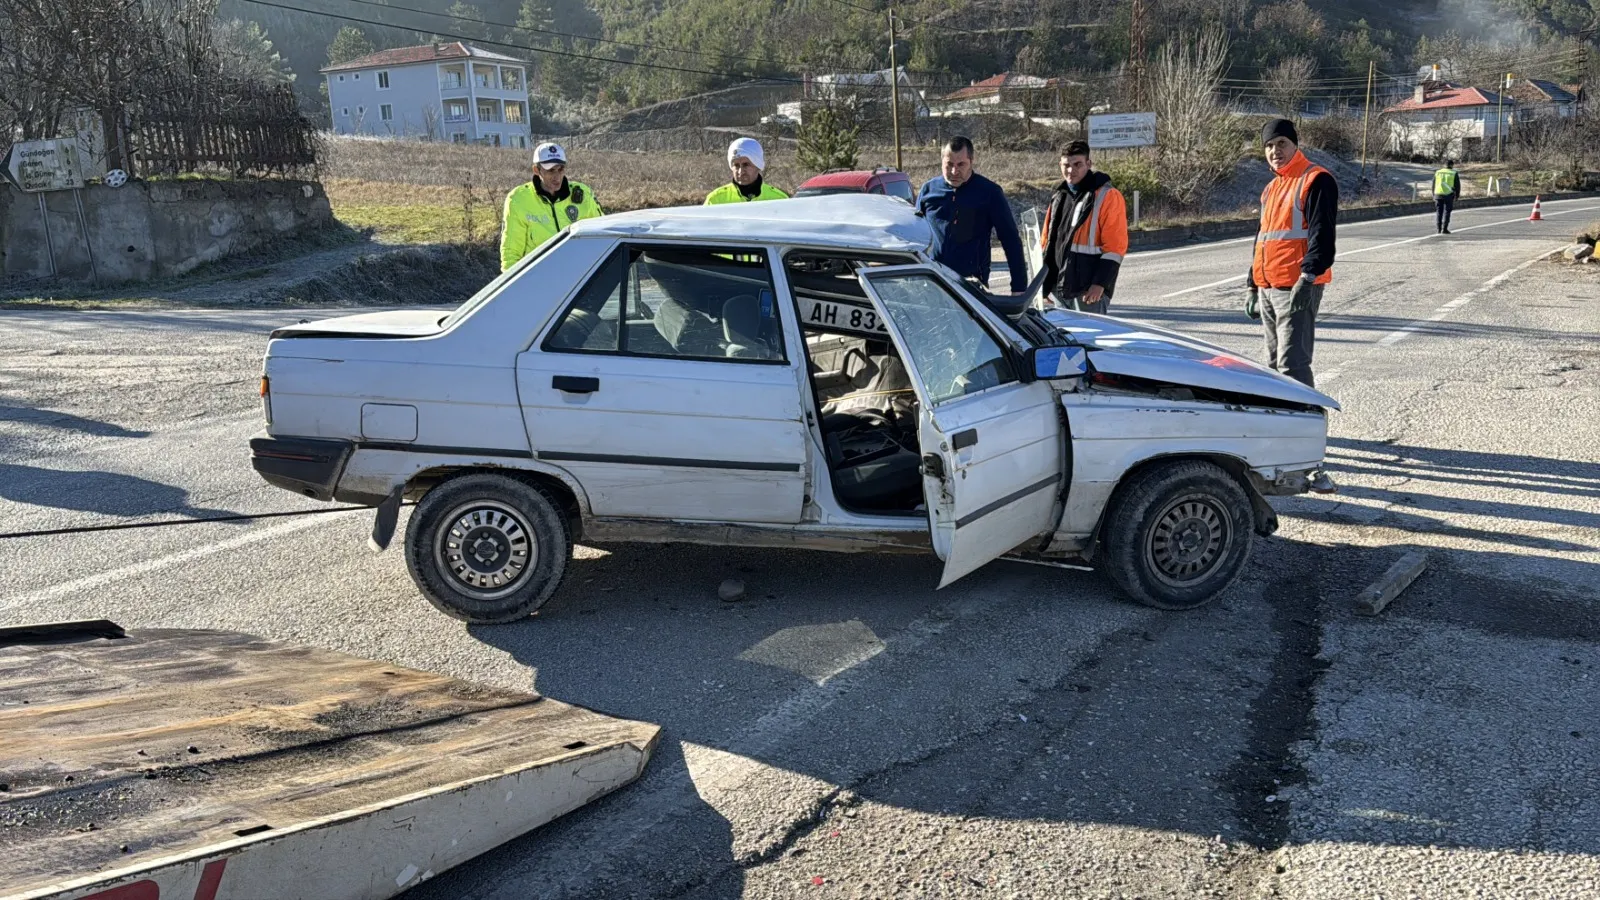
(1197, 506)
(488, 548)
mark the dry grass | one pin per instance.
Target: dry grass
(413, 191)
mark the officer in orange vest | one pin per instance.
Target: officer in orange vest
(1293, 251)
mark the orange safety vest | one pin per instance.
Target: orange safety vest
(1281, 245)
(1110, 242)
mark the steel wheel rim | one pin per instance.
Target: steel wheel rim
(1190, 538)
(486, 549)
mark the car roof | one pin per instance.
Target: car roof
(857, 179)
(860, 221)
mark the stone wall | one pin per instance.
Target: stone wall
(149, 229)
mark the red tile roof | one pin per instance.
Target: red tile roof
(1447, 97)
(989, 85)
(401, 56)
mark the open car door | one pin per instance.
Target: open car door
(991, 444)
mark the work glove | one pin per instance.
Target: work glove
(1300, 294)
(1252, 304)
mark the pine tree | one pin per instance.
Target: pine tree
(350, 43)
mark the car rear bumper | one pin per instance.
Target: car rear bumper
(309, 466)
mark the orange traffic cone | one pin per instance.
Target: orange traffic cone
(1535, 217)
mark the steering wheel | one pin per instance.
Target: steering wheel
(874, 417)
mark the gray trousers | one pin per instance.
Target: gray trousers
(1289, 320)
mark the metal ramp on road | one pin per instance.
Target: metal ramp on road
(203, 765)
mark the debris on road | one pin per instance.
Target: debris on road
(356, 779)
(1380, 593)
(731, 591)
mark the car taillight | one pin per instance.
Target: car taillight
(266, 399)
(263, 385)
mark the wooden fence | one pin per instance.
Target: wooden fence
(247, 130)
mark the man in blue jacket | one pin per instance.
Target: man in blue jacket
(964, 208)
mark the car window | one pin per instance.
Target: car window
(901, 189)
(676, 302)
(954, 356)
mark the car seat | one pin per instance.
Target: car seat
(689, 331)
(742, 328)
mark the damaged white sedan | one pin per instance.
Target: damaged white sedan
(790, 374)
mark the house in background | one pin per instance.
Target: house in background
(1008, 95)
(1442, 119)
(446, 91)
(1540, 99)
(863, 88)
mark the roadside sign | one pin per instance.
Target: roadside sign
(86, 125)
(1122, 130)
(50, 165)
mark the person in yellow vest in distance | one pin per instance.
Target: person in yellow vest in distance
(539, 210)
(1446, 188)
(746, 161)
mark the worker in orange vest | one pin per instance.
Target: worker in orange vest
(1293, 251)
(1085, 235)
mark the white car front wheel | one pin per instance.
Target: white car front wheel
(487, 548)
(1178, 534)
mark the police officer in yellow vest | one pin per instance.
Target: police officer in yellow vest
(746, 161)
(537, 211)
(1446, 188)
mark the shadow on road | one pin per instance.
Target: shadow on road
(66, 422)
(1017, 694)
(105, 493)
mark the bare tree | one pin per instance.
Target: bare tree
(1289, 83)
(1196, 139)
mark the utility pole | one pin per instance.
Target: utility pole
(1136, 53)
(1499, 116)
(894, 92)
(1366, 115)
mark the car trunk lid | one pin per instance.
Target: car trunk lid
(403, 323)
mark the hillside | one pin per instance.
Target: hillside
(627, 53)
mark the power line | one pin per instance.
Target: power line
(545, 50)
(564, 34)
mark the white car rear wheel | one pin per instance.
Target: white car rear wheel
(487, 548)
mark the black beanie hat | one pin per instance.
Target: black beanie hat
(1278, 128)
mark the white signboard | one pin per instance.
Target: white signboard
(50, 165)
(1122, 130)
(86, 125)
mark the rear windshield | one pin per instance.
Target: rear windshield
(901, 189)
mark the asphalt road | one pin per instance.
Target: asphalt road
(1023, 733)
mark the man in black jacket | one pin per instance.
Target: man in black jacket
(1294, 250)
(1085, 235)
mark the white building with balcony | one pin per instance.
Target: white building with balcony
(447, 91)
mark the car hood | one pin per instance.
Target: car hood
(402, 323)
(1141, 350)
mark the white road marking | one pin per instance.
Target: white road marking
(1411, 240)
(1400, 334)
(162, 562)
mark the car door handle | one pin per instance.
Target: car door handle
(964, 439)
(575, 384)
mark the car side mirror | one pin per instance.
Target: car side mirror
(1054, 363)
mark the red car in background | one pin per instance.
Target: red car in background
(882, 180)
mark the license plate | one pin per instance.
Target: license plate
(843, 317)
